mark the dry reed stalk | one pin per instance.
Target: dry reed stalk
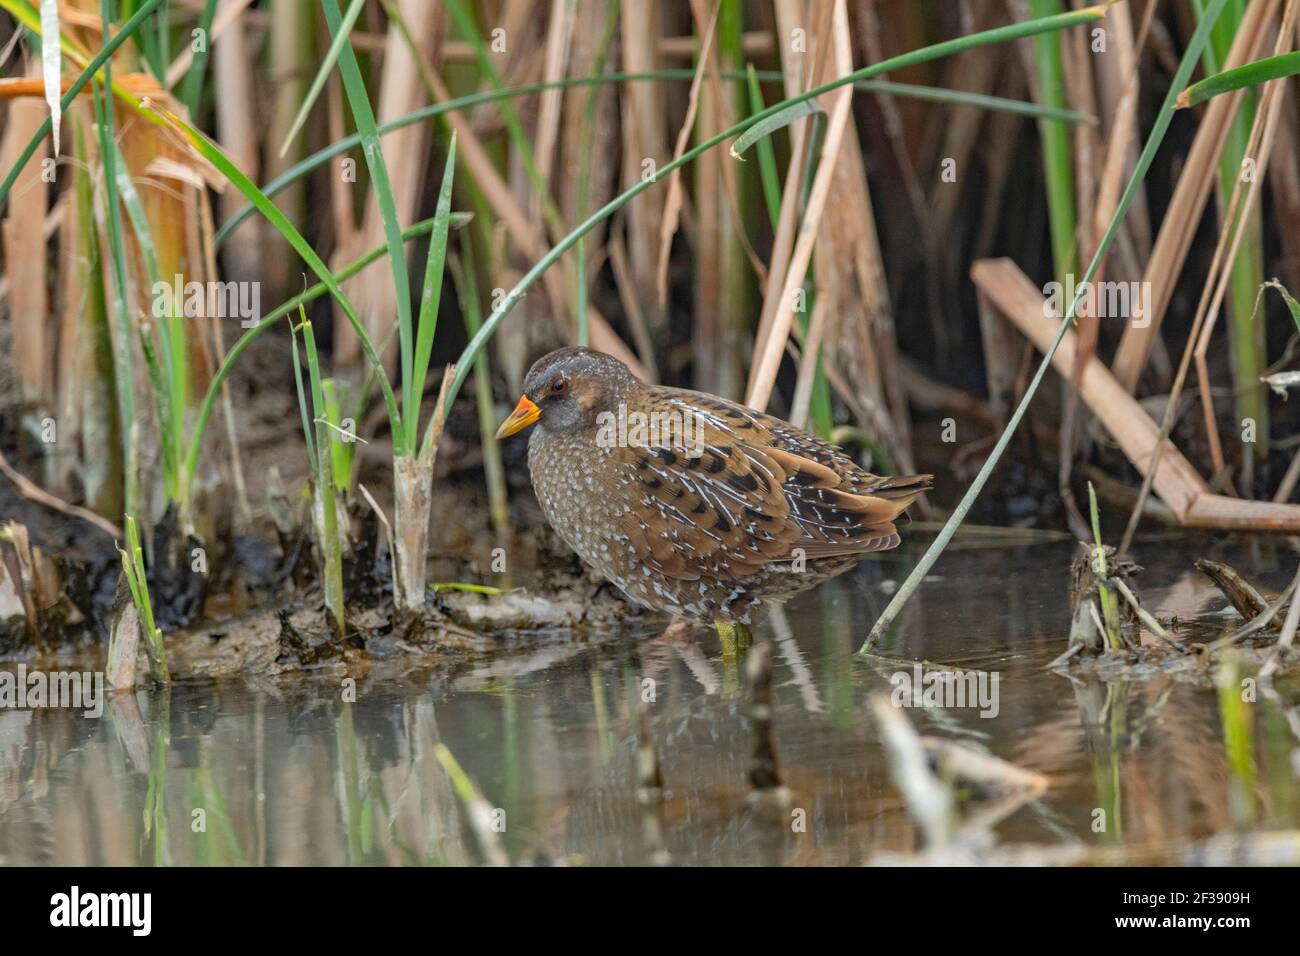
(230, 13)
(123, 645)
(559, 34)
(861, 342)
(1201, 312)
(792, 66)
(291, 34)
(673, 200)
(1178, 227)
(632, 308)
(1137, 435)
(812, 347)
(412, 497)
(25, 256)
(73, 303)
(32, 492)
(1015, 297)
(523, 232)
(233, 74)
(209, 254)
(718, 296)
(31, 583)
(1119, 89)
(580, 149)
(768, 352)
(713, 367)
(1104, 191)
(1236, 221)
(754, 43)
(644, 138)
(976, 71)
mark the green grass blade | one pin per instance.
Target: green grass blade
(768, 175)
(1292, 305)
(192, 83)
(1000, 104)
(340, 451)
(1156, 137)
(341, 37)
(431, 294)
(464, 22)
(764, 129)
(1246, 75)
(304, 411)
(1055, 139)
(330, 544)
(586, 159)
(936, 51)
(364, 116)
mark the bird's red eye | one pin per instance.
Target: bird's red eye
(560, 386)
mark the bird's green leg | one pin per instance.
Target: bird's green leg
(735, 638)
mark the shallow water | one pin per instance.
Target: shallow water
(285, 771)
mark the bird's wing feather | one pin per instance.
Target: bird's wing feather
(748, 496)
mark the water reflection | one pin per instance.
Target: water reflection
(318, 769)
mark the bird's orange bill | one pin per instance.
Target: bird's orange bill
(525, 414)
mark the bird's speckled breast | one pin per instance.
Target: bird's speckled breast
(577, 506)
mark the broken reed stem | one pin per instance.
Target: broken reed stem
(1163, 119)
(123, 639)
(1260, 620)
(412, 499)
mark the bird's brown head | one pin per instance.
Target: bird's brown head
(567, 389)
